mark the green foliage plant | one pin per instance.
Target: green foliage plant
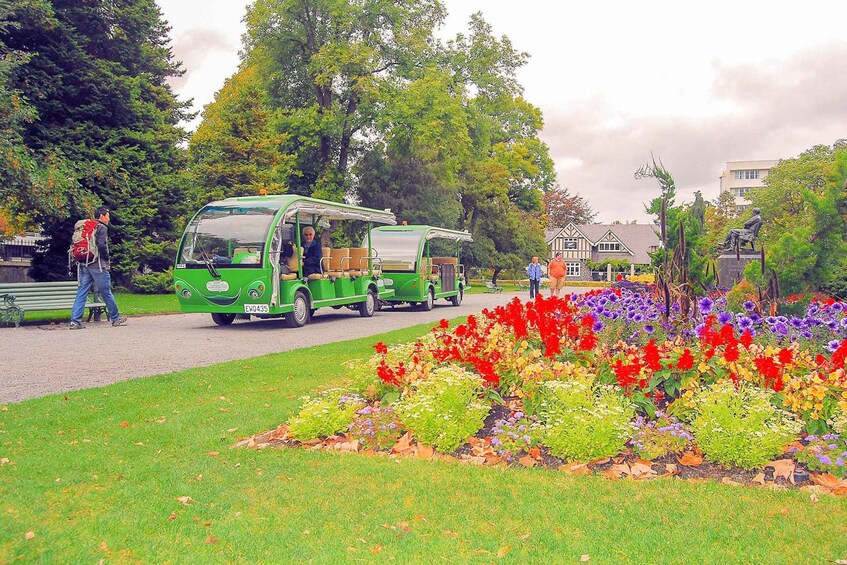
(740, 425)
(583, 420)
(330, 413)
(443, 410)
(153, 283)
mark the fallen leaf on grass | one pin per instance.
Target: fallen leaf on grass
(376, 549)
(4, 461)
(501, 553)
(103, 546)
(30, 535)
(450, 533)
(829, 481)
(535, 453)
(424, 451)
(584, 558)
(760, 479)
(124, 424)
(172, 517)
(728, 481)
(404, 445)
(576, 468)
(185, 499)
(527, 461)
(671, 469)
(4, 409)
(782, 468)
(213, 453)
(210, 539)
(690, 459)
(641, 469)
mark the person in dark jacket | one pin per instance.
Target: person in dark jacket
(312, 252)
(97, 273)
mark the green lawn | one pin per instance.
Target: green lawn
(90, 488)
(129, 305)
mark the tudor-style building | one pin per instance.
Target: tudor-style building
(599, 242)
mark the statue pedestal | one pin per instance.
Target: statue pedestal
(731, 267)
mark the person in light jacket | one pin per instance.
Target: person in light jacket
(533, 271)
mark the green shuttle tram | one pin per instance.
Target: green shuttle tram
(243, 257)
(420, 263)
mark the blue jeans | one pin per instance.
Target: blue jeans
(533, 287)
(103, 280)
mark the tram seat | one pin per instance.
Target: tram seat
(339, 262)
(292, 267)
(358, 264)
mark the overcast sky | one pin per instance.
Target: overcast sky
(695, 84)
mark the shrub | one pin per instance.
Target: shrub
(656, 438)
(329, 414)
(376, 427)
(584, 421)
(827, 453)
(445, 409)
(154, 283)
(741, 426)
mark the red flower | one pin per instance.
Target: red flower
(746, 339)
(443, 324)
(651, 356)
(686, 360)
(380, 348)
(731, 352)
(785, 356)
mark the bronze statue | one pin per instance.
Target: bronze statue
(737, 238)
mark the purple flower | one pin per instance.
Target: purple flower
(598, 326)
(833, 345)
(724, 318)
(749, 306)
(649, 329)
(706, 304)
(825, 460)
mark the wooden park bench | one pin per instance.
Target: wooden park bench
(491, 287)
(18, 298)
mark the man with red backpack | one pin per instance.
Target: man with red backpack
(91, 251)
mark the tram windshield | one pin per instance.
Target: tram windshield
(228, 235)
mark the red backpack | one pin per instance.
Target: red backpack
(83, 247)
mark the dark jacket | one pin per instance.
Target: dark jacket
(101, 239)
(312, 258)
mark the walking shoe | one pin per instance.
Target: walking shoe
(119, 321)
(76, 326)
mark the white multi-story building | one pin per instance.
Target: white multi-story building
(739, 177)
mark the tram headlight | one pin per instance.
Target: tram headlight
(186, 293)
(253, 293)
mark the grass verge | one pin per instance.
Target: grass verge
(97, 474)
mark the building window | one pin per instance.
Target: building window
(747, 175)
(572, 269)
(608, 247)
(569, 243)
(741, 192)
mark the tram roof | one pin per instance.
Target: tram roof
(431, 232)
(326, 209)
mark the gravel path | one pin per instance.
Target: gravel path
(39, 360)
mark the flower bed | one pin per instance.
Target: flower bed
(609, 380)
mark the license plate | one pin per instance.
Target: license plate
(256, 309)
